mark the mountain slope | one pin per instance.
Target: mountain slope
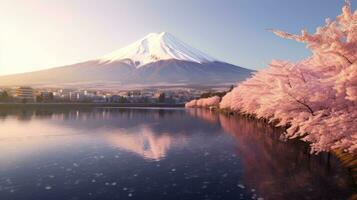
(157, 59)
(155, 47)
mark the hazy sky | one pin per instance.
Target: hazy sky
(38, 34)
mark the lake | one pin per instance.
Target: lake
(157, 153)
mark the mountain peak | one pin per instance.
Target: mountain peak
(159, 33)
(157, 36)
(157, 46)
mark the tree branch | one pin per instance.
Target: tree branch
(304, 104)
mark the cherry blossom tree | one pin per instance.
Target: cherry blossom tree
(316, 98)
(226, 101)
(204, 102)
(191, 104)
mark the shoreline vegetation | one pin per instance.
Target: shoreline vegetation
(81, 105)
(315, 99)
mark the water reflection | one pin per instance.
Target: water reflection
(270, 164)
(102, 153)
(144, 142)
(204, 114)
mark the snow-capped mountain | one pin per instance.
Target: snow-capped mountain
(155, 47)
(158, 59)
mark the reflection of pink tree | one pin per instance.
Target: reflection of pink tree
(317, 96)
(262, 156)
(204, 114)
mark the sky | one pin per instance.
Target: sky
(40, 34)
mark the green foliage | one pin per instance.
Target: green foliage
(39, 98)
(162, 98)
(5, 97)
(220, 94)
(134, 93)
(231, 88)
(51, 97)
(123, 100)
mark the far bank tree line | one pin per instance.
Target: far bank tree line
(48, 97)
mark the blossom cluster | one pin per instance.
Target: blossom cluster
(316, 98)
(204, 102)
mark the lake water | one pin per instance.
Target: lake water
(133, 153)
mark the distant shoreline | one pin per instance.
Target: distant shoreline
(88, 105)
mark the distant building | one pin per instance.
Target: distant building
(45, 97)
(25, 94)
(115, 99)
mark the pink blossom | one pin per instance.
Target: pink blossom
(315, 98)
(204, 102)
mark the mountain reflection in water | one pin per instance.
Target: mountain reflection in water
(157, 154)
(144, 142)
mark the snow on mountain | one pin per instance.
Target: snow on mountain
(157, 46)
(159, 59)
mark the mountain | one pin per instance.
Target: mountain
(159, 59)
(155, 47)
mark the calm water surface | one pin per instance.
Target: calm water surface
(119, 153)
